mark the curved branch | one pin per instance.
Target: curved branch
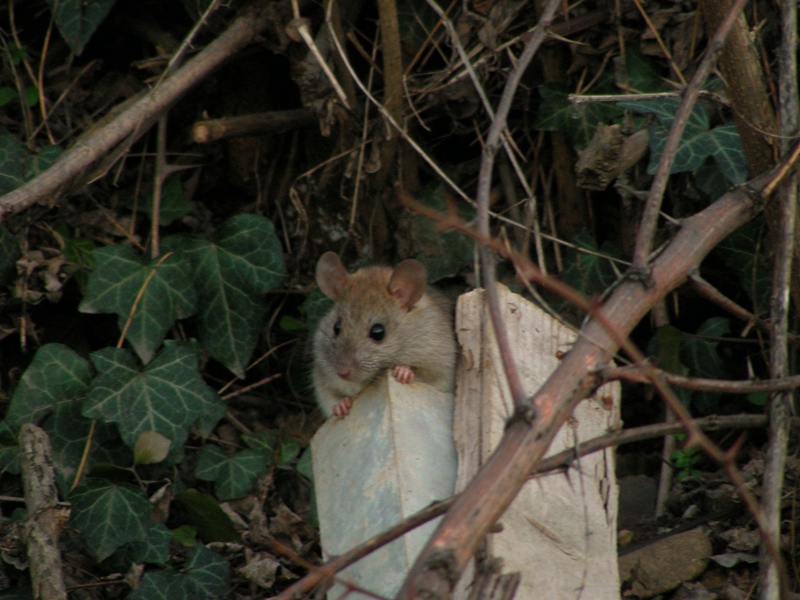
(471, 517)
(136, 119)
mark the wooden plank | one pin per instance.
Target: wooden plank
(560, 532)
(390, 457)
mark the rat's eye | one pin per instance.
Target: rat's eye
(337, 328)
(377, 332)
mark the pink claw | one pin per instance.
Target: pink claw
(342, 408)
(403, 373)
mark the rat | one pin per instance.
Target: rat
(383, 318)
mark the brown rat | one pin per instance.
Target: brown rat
(383, 318)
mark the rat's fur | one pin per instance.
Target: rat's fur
(418, 330)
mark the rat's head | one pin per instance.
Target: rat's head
(364, 332)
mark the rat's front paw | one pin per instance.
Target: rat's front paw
(403, 373)
(342, 408)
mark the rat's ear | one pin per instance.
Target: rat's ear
(331, 275)
(407, 283)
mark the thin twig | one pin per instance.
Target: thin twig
(773, 585)
(504, 135)
(726, 386)
(556, 462)
(493, 139)
(647, 228)
(137, 118)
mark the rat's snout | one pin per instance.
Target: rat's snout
(344, 371)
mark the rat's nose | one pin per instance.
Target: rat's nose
(344, 371)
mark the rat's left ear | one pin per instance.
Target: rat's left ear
(408, 282)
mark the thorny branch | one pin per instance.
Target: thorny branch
(441, 562)
(556, 462)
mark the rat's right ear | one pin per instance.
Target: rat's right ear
(331, 275)
(407, 283)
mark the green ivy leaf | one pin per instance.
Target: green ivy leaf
(698, 141)
(9, 254)
(701, 355)
(109, 515)
(41, 161)
(578, 121)
(290, 450)
(231, 275)
(725, 146)
(640, 73)
(185, 535)
(235, 475)
(56, 374)
(167, 294)
(209, 571)
(204, 512)
(589, 272)
(30, 96)
(12, 159)
(68, 431)
(266, 440)
(155, 549)
(711, 181)
(168, 584)
(77, 20)
(743, 253)
(7, 94)
(207, 575)
(304, 466)
(9, 450)
(173, 202)
(167, 396)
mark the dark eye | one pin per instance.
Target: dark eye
(337, 328)
(377, 332)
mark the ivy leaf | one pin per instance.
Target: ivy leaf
(231, 274)
(698, 141)
(41, 161)
(9, 254)
(167, 396)
(209, 571)
(56, 374)
(207, 576)
(77, 20)
(726, 147)
(639, 74)
(266, 440)
(557, 113)
(168, 584)
(234, 476)
(173, 202)
(109, 515)
(155, 549)
(204, 512)
(304, 465)
(12, 157)
(68, 431)
(590, 272)
(701, 355)
(163, 289)
(742, 252)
